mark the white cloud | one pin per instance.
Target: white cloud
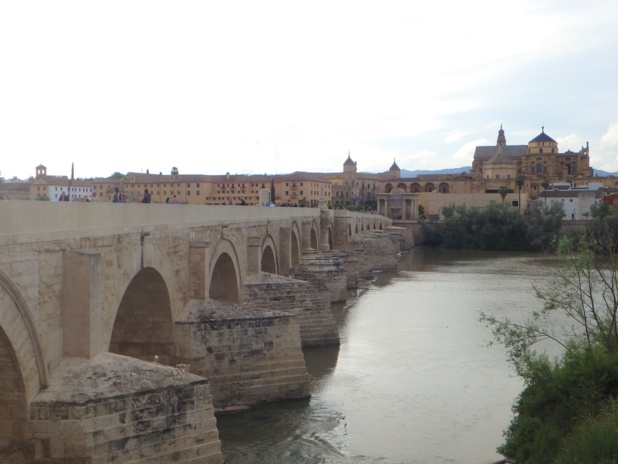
(605, 157)
(455, 136)
(570, 142)
(279, 86)
(609, 140)
(466, 151)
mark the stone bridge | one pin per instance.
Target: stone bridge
(124, 327)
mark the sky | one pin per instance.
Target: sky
(255, 87)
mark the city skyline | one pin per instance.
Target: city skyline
(276, 87)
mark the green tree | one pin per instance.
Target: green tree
(41, 197)
(117, 175)
(583, 293)
(503, 191)
(496, 227)
(545, 184)
(519, 181)
(421, 211)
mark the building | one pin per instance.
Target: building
(576, 201)
(541, 157)
(351, 187)
(14, 190)
(298, 188)
(44, 186)
(302, 189)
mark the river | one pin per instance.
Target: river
(414, 381)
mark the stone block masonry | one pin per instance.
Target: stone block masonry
(308, 300)
(326, 271)
(114, 409)
(376, 251)
(250, 355)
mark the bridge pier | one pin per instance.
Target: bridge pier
(113, 408)
(249, 354)
(308, 299)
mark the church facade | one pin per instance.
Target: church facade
(541, 157)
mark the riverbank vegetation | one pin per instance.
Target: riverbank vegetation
(495, 227)
(568, 409)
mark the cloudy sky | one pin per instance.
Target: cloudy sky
(277, 86)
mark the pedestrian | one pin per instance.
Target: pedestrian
(175, 200)
(147, 196)
(116, 197)
(63, 197)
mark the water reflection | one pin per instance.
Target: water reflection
(413, 380)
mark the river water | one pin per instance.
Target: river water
(413, 380)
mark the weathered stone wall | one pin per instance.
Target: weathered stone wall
(376, 251)
(250, 355)
(116, 409)
(311, 305)
(350, 263)
(402, 237)
(324, 271)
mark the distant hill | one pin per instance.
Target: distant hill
(406, 173)
(601, 173)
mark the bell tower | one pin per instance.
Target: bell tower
(41, 171)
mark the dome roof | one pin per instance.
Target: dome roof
(542, 137)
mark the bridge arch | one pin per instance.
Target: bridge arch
(268, 261)
(295, 246)
(314, 236)
(13, 403)
(16, 319)
(23, 371)
(143, 325)
(224, 273)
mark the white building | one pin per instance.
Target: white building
(576, 200)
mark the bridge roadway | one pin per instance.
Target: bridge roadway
(124, 326)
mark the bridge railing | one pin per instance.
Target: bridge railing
(40, 217)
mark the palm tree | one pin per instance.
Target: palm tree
(545, 184)
(502, 190)
(519, 181)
